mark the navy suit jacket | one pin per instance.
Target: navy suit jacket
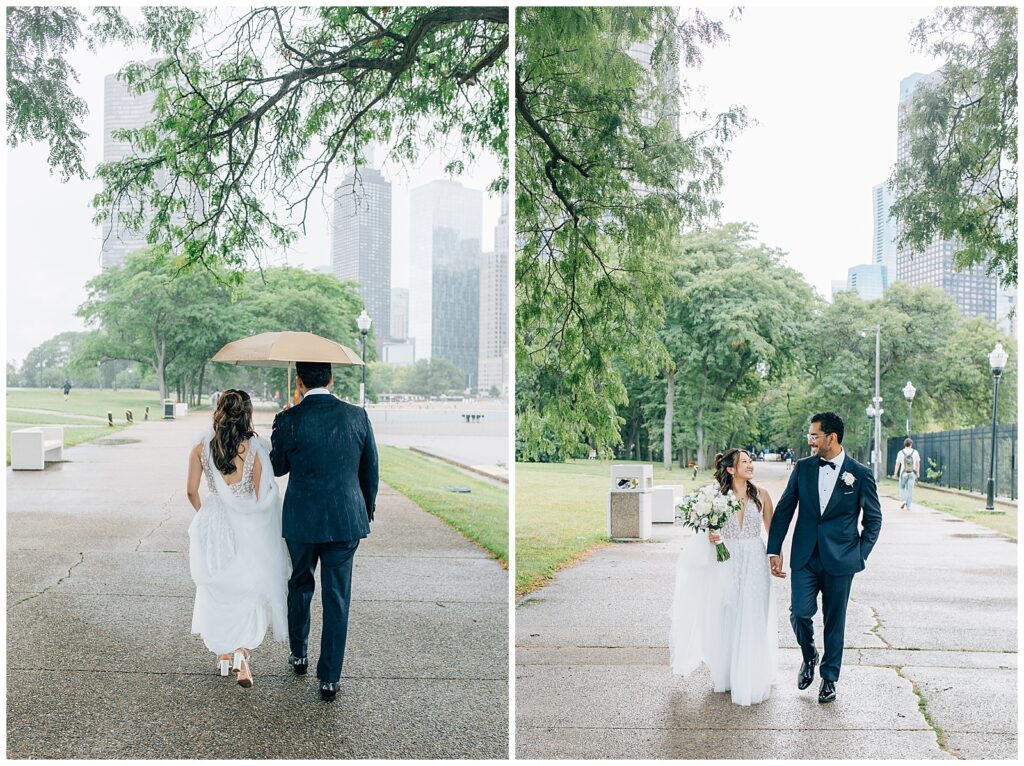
(327, 448)
(842, 546)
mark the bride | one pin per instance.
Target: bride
(238, 559)
(723, 613)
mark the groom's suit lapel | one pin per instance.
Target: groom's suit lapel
(810, 489)
(837, 490)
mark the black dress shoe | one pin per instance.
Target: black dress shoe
(329, 690)
(827, 693)
(806, 675)
(299, 664)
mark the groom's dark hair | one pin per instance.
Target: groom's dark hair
(830, 423)
(314, 374)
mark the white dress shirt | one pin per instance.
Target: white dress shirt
(316, 391)
(827, 478)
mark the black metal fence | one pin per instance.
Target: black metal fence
(960, 458)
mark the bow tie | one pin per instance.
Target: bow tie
(822, 462)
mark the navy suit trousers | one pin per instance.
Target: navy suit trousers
(336, 593)
(807, 582)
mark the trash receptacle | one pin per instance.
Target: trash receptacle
(168, 409)
(629, 502)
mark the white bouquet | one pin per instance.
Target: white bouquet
(708, 510)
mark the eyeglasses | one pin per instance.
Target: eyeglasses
(815, 437)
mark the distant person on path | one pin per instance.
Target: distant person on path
(789, 459)
(837, 526)
(328, 451)
(238, 560)
(67, 389)
(723, 613)
(907, 471)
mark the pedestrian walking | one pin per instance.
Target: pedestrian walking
(906, 471)
(67, 389)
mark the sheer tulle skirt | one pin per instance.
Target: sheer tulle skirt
(240, 565)
(724, 616)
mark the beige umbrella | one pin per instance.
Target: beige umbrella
(283, 349)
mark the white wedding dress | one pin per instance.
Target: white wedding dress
(723, 613)
(238, 559)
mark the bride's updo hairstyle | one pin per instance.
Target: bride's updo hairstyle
(728, 459)
(232, 424)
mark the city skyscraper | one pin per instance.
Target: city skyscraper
(444, 295)
(494, 309)
(361, 242)
(883, 240)
(399, 313)
(122, 109)
(973, 291)
(868, 280)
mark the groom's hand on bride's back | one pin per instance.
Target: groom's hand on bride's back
(775, 562)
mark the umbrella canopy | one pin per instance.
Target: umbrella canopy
(283, 349)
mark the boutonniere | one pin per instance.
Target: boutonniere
(848, 478)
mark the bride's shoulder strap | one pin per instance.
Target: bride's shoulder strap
(202, 438)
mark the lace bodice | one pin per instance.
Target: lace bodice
(243, 488)
(751, 524)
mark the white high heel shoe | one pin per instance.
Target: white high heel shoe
(224, 663)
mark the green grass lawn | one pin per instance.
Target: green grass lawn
(481, 515)
(562, 513)
(84, 413)
(963, 507)
(86, 401)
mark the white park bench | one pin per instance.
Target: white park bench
(32, 448)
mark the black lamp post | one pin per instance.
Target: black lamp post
(908, 393)
(363, 323)
(997, 360)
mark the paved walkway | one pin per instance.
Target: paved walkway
(100, 662)
(932, 626)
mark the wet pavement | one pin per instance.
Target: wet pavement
(929, 669)
(101, 664)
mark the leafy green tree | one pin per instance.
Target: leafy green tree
(291, 299)
(41, 102)
(13, 376)
(963, 381)
(604, 180)
(433, 377)
(734, 324)
(51, 362)
(149, 311)
(959, 180)
(251, 117)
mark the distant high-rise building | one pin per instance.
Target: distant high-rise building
(122, 110)
(494, 309)
(868, 280)
(664, 82)
(399, 313)
(361, 242)
(973, 291)
(838, 286)
(444, 292)
(883, 241)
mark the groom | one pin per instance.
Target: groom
(327, 448)
(832, 490)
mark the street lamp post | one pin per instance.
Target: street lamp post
(908, 393)
(363, 323)
(876, 402)
(997, 361)
(870, 412)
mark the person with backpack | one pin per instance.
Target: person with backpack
(907, 470)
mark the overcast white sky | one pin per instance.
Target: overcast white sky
(53, 248)
(823, 85)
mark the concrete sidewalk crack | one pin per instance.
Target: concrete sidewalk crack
(164, 520)
(81, 558)
(922, 704)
